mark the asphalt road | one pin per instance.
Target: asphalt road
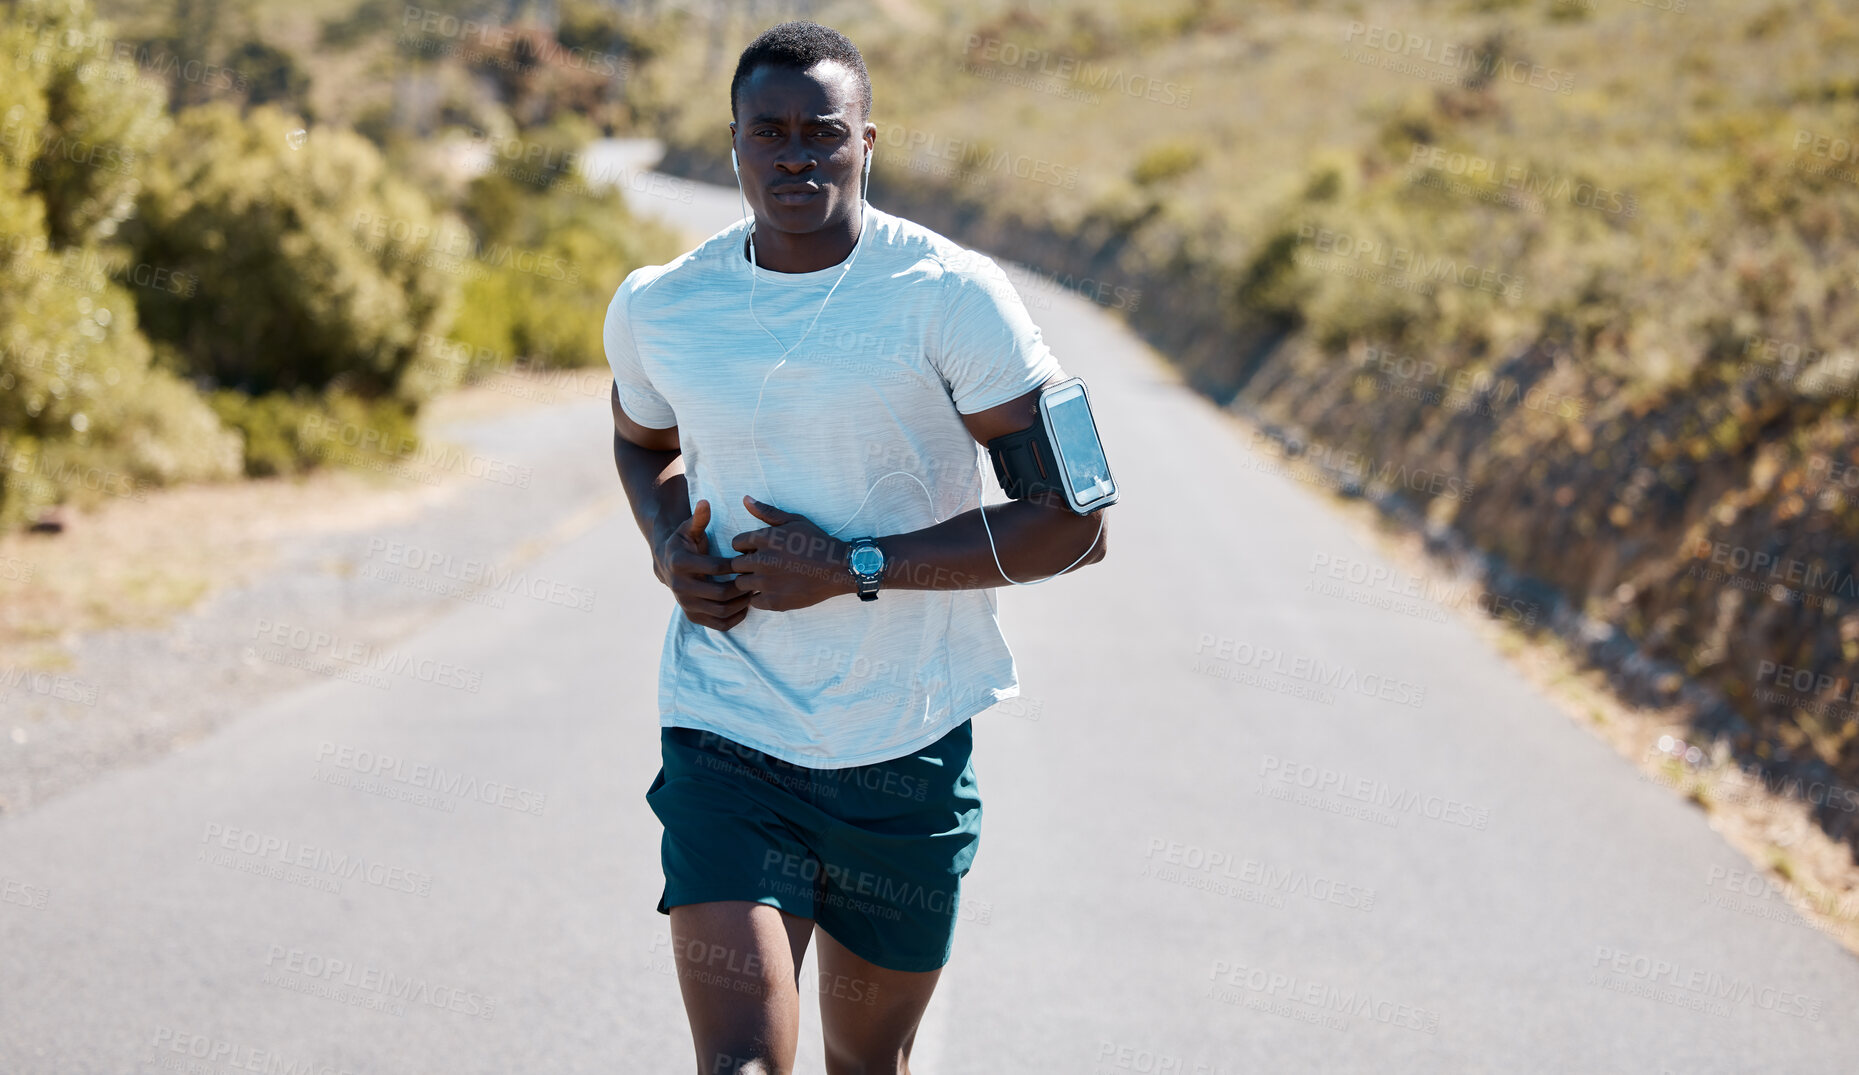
(1195, 858)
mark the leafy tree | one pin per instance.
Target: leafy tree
(270, 75)
(316, 268)
(370, 18)
(548, 259)
(82, 413)
(99, 118)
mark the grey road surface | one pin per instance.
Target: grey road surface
(1246, 817)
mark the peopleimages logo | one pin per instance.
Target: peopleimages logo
(1312, 670)
(1369, 578)
(437, 26)
(311, 645)
(226, 1054)
(1400, 49)
(1338, 468)
(48, 684)
(23, 894)
(432, 777)
(450, 249)
(1477, 390)
(1377, 792)
(1740, 782)
(70, 474)
(316, 860)
(1200, 867)
(1794, 580)
(1521, 177)
(340, 980)
(1111, 1055)
(1826, 696)
(1787, 362)
(1409, 264)
(976, 157)
(147, 56)
(1001, 54)
(32, 145)
(1319, 996)
(470, 574)
(1695, 987)
(408, 456)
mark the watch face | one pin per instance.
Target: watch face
(867, 560)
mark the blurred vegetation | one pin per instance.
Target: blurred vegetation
(83, 413)
(207, 271)
(309, 267)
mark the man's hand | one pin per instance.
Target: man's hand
(790, 563)
(681, 559)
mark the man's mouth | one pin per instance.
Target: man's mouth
(795, 194)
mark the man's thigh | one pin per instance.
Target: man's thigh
(738, 970)
(868, 1014)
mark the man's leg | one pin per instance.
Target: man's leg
(739, 970)
(868, 1015)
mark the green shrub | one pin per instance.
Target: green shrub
(315, 268)
(270, 75)
(83, 415)
(286, 434)
(1170, 160)
(547, 260)
(86, 119)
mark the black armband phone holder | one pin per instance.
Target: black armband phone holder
(1024, 465)
(1057, 461)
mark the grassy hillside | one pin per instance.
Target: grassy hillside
(1573, 280)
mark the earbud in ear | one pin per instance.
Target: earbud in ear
(733, 166)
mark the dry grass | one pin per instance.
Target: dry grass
(129, 563)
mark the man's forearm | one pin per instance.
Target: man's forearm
(655, 485)
(1032, 542)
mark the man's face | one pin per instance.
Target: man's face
(801, 139)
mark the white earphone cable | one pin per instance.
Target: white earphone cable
(981, 477)
(754, 274)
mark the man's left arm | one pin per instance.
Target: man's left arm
(791, 563)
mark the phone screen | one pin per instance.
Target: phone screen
(1080, 453)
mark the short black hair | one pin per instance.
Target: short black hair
(800, 45)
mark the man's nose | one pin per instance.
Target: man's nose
(794, 159)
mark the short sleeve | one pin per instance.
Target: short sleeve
(987, 349)
(638, 398)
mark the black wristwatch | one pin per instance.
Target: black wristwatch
(866, 560)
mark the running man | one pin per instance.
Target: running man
(790, 405)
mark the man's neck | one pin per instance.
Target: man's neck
(815, 250)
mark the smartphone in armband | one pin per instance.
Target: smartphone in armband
(1084, 473)
(1061, 453)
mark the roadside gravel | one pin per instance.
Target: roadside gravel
(457, 524)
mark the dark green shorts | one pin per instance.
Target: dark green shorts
(875, 854)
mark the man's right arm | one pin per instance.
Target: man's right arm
(651, 467)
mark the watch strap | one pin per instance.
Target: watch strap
(867, 584)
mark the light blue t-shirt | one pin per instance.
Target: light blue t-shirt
(919, 332)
